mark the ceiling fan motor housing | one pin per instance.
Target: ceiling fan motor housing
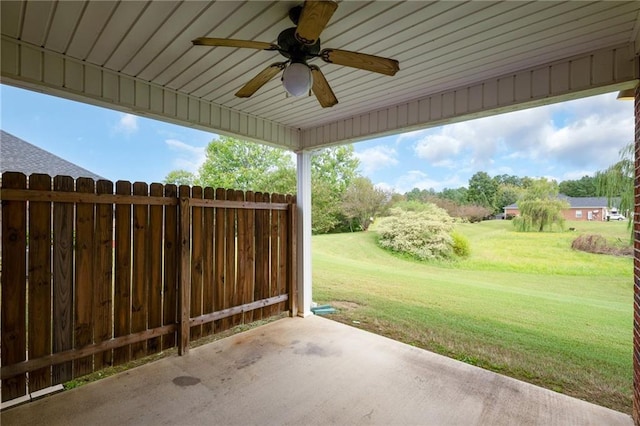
(291, 48)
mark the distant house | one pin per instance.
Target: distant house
(17, 155)
(580, 208)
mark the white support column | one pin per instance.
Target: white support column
(304, 233)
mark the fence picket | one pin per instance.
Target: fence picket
(261, 289)
(154, 267)
(62, 279)
(196, 262)
(238, 286)
(219, 293)
(251, 261)
(140, 275)
(122, 291)
(243, 258)
(103, 275)
(283, 243)
(273, 257)
(14, 339)
(230, 267)
(84, 233)
(171, 251)
(208, 267)
(39, 317)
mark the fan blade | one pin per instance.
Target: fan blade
(321, 88)
(360, 60)
(227, 42)
(261, 79)
(314, 17)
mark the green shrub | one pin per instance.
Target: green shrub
(461, 247)
(423, 234)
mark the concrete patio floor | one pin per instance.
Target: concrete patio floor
(305, 372)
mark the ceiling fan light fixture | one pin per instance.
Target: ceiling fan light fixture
(296, 79)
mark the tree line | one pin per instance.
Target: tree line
(344, 200)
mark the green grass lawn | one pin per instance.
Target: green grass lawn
(523, 304)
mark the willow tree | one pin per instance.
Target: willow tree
(540, 208)
(616, 182)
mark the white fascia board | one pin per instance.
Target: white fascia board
(35, 68)
(598, 72)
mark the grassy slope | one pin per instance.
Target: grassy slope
(525, 305)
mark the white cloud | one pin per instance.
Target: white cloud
(439, 149)
(377, 157)
(418, 179)
(189, 157)
(128, 124)
(585, 134)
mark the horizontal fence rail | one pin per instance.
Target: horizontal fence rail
(95, 274)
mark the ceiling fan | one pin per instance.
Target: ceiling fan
(300, 44)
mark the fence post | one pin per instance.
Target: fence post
(184, 305)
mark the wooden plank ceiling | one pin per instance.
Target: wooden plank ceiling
(440, 45)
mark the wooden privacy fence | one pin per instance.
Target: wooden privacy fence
(92, 278)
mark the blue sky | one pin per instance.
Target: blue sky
(560, 141)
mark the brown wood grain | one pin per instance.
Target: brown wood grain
(103, 276)
(220, 247)
(235, 310)
(171, 251)
(196, 261)
(155, 267)
(230, 259)
(273, 256)
(14, 293)
(122, 290)
(75, 198)
(208, 260)
(292, 256)
(60, 357)
(242, 258)
(250, 242)
(283, 244)
(140, 273)
(62, 279)
(238, 288)
(39, 316)
(184, 280)
(261, 289)
(83, 306)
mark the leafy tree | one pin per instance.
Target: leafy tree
(618, 180)
(540, 214)
(458, 195)
(584, 187)
(508, 180)
(542, 189)
(507, 194)
(540, 207)
(233, 163)
(181, 177)
(332, 171)
(482, 190)
(362, 201)
(337, 166)
(422, 195)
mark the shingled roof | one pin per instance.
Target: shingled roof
(581, 202)
(17, 155)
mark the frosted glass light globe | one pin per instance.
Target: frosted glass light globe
(296, 79)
